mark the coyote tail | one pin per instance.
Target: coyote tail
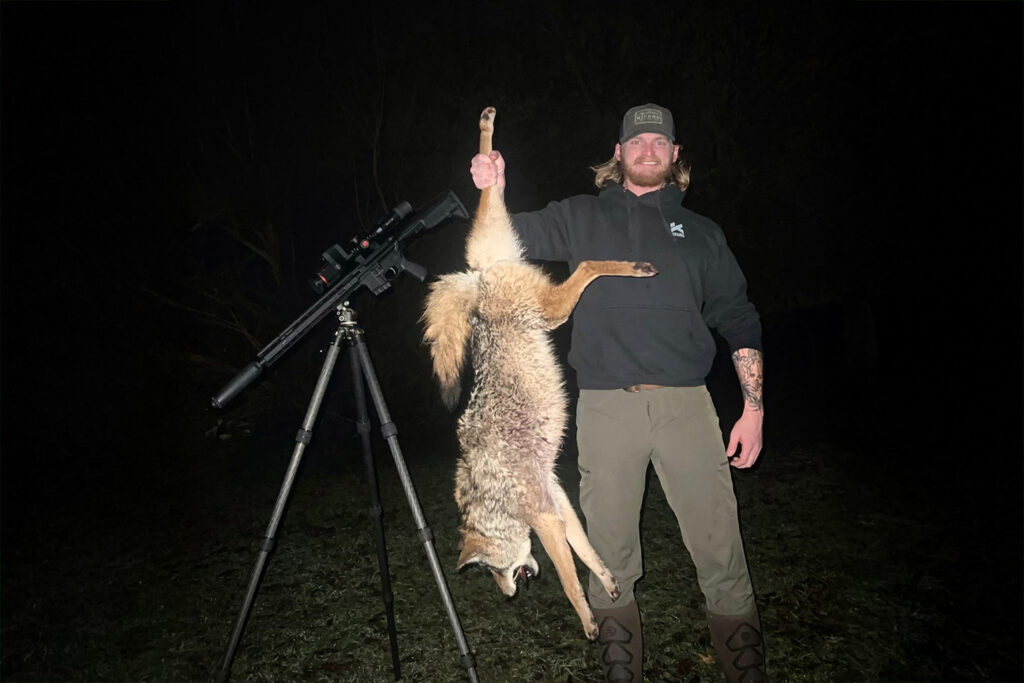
(450, 306)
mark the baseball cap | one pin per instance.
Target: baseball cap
(647, 118)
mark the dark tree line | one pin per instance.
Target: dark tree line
(194, 161)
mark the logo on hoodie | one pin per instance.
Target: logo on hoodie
(676, 229)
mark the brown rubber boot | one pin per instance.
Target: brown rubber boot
(621, 643)
(739, 647)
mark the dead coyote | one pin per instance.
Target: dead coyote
(512, 429)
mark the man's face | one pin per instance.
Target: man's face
(646, 160)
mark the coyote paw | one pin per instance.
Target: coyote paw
(644, 269)
(591, 629)
(487, 119)
(614, 593)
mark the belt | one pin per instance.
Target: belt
(636, 388)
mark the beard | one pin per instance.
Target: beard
(643, 175)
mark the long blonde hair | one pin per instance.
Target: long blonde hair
(611, 172)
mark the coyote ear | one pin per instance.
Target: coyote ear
(465, 559)
(473, 550)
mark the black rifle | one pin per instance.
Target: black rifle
(376, 260)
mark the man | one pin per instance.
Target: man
(642, 349)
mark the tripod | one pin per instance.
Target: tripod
(350, 334)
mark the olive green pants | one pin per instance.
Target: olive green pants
(676, 428)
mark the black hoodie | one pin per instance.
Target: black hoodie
(645, 330)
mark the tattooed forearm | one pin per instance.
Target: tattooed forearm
(750, 370)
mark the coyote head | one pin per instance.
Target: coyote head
(510, 562)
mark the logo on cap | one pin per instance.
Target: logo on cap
(647, 116)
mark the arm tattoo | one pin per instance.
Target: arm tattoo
(750, 370)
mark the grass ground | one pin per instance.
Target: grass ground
(860, 577)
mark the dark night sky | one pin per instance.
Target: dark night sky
(861, 156)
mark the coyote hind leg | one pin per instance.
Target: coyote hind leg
(559, 301)
(492, 237)
(486, 129)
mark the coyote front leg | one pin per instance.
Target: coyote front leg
(551, 532)
(577, 538)
(559, 301)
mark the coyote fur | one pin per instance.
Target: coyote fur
(510, 433)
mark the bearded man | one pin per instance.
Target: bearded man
(642, 349)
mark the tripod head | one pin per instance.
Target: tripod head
(374, 261)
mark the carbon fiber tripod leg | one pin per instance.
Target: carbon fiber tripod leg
(302, 439)
(390, 433)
